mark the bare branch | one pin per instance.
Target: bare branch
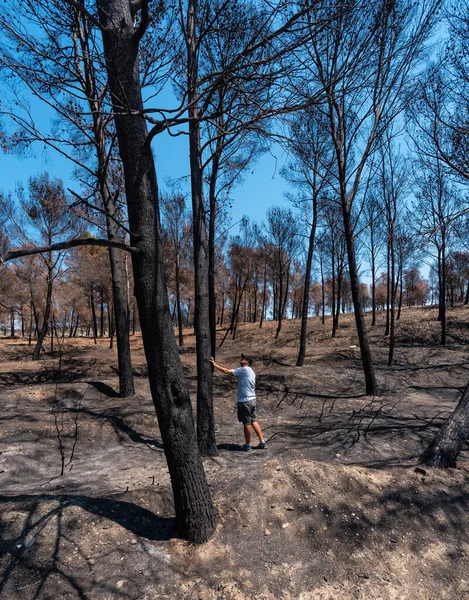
(63, 246)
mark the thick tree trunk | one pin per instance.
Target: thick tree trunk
(12, 323)
(444, 449)
(367, 361)
(195, 514)
(306, 287)
(202, 317)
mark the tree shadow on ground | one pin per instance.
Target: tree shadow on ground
(132, 517)
(120, 426)
(230, 447)
(340, 428)
(234, 447)
(105, 389)
(27, 555)
(406, 516)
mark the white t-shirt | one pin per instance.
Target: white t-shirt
(246, 384)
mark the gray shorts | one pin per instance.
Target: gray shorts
(247, 412)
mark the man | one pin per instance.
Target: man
(246, 399)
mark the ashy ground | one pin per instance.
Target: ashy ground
(335, 508)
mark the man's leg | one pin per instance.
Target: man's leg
(258, 430)
(247, 432)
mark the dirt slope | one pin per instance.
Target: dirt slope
(336, 507)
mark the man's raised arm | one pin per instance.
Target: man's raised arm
(220, 368)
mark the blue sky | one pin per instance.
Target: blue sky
(261, 187)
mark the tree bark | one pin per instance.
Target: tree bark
(401, 293)
(367, 361)
(307, 284)
(444, 449)
(373, 275)
(392, 307)
(93, 317)
(264, 297)
(202, 317)
(443, 289)
(195, 514)
(42, 332)
(388, 288)
(178, 305)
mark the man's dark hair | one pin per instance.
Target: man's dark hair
(248, 358)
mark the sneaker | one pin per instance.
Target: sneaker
(262, 445)
(246, 447)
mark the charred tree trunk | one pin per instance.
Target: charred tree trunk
(367, 361)
(443, 290)
(333, 284)
(76, 326)
(101, 316)
(392, 323)
(373, 278)
(282, 302)
(42, 332)
(323, 292)
(340, 276)
(30, 335)
(178, 305)
(52, 333)
(444, 449)
(202, 317)
(440, 288)
(388, 288)
(264, 297)
(401, 291)
(93, 317)
(307, 285)
(195, 514)
(122, 317)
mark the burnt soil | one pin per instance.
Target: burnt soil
(336, 507)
